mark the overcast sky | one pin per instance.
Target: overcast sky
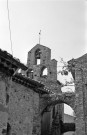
(62, 24)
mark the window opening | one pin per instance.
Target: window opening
(38, 61)
(30, 74)
(37, 56)
(44, 72)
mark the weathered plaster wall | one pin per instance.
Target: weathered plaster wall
(19, 106)
(20, 109)
(3, 107)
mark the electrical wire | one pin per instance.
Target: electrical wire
(9, 27)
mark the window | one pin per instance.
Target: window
(37, 56)
(38, 61)
(30, 74)
(44, 72)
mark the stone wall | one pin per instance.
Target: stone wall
(19, 108)
(79, 71)
(3, 107)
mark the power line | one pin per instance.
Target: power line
(9, 27)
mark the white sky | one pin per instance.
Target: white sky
(62, 24)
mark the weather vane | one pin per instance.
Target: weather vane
(39, 36)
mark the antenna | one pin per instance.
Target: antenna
(9, 27)
(39, 36)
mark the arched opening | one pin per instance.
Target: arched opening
(61, 117)
(30, 73)
(44, 72)
(63, 122)
(68, 110)
(37, 57)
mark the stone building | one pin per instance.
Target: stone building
(19, 99)
(23, 107)
(31, 102)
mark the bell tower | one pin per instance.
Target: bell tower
(40, 64)
(44, 69)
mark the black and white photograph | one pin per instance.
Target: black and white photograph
(43, 67)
